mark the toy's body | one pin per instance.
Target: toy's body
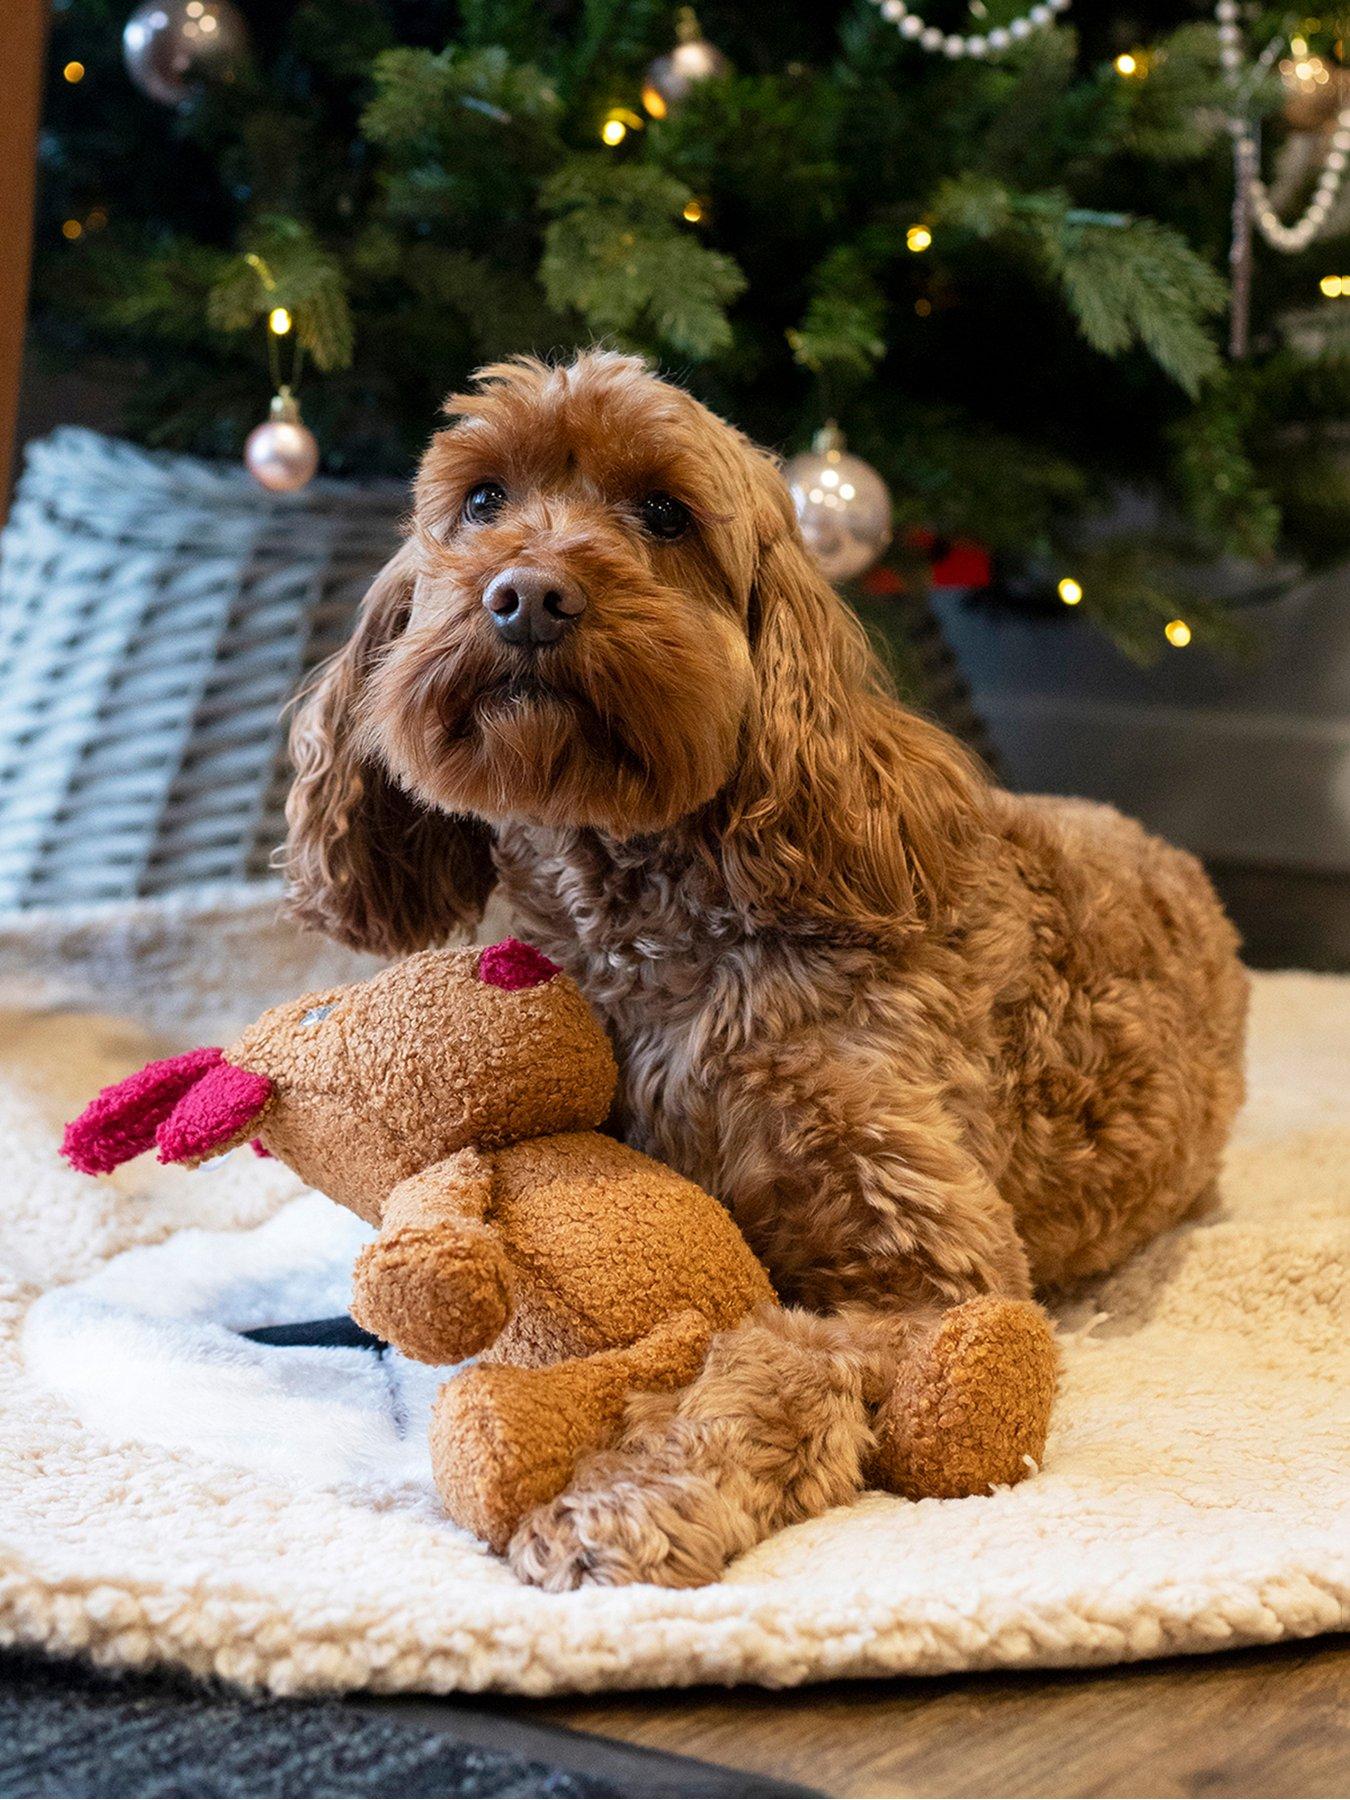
(580, 1270)
(452, 1102)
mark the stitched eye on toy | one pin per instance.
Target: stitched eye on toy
(317, 1014)
(665, 517)
(484, 502)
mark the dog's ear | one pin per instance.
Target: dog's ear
(366, 862)
(847, 813)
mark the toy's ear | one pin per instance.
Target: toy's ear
(189, 1105)
(513, 965)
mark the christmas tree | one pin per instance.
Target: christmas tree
(1005, 274)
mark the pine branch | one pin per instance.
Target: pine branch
(1140, 281)
(1126, 280)
(1132, 588)
(1217, 480)
(284, 265)
(1178, 107)
(843, 330)
(616, 253)
(518, 27)
(424, 99)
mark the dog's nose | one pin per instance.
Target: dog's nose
(530, 607)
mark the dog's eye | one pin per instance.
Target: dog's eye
(485, 501)
(664, 516)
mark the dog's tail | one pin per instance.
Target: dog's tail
(776, 1428)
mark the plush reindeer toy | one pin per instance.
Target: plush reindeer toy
(451, 1101)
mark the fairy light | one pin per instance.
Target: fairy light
(279, 321)
(1127, 64)
(619, 121)
(1070, 591)
(693, 211)
(72, 229)
(1335, 287)
(918, 238)
(73, 72)
(1178, 633)
(654, 101)
(923, 306)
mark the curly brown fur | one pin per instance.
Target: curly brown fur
(928, 1040)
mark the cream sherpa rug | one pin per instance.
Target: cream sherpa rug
(168, 1494)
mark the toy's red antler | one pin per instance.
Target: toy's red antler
(189, 1105)
(213, 1113)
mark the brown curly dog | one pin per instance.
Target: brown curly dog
(929, 1041)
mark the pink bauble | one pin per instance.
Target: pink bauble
(843, 505)
(282, 454)
(173, 47)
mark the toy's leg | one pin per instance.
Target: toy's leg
(969, 1406)
(791, 1415)
(505, 1439)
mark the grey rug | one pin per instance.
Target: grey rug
(70, 1731)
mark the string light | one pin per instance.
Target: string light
(923, 307)
(918, 238)
(1335, 287)
(279, 321)
(97, 219)
(71, 230)
(1127, 64)
(1178, 633)
(1070, 591)
(73, 72)
(619, 121)
(693, 211)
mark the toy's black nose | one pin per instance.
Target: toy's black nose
(530, 607)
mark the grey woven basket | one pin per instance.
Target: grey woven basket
(156, 614)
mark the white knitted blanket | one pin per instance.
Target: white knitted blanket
(168, 1494)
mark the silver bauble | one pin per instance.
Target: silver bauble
(282, 454)
(669, 78)
(843, 505)
(173, 47)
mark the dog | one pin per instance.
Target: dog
(929, 1041)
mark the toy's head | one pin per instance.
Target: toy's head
(361, 1086)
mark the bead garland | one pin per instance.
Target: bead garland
(955, 44)
(1286, 238)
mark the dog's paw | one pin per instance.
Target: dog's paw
(666, 1529)
(438, 1296)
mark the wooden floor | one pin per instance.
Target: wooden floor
(1261, 1722)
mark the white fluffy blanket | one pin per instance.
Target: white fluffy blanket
(169, 1492)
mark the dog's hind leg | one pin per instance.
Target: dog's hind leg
(775, 1429)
